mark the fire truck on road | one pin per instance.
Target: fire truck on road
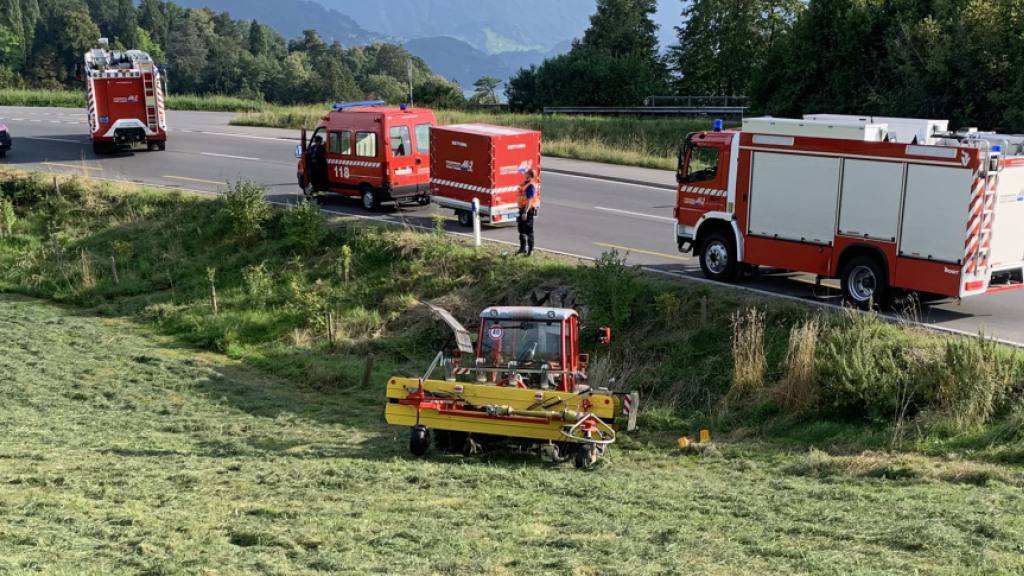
(883, 204)
(125, 99)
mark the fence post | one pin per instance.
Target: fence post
(476, 223)
(368, 371)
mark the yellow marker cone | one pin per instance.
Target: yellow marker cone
(705, 436)
(683, 442)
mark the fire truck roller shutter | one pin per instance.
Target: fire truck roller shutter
(794, 197)
(937, 203)
(872, 192)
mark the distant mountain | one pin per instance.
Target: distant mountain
(457, 60)
(290, 17)
(491, 26)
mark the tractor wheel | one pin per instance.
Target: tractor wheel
(585, 456)
(465, 218)
(419, 440)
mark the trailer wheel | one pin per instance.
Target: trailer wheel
(370, 201)
(465, 218)
(585, 456)
(718, 257)
(864, 283)
(419, 440)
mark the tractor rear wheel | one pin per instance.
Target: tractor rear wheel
(419, 440)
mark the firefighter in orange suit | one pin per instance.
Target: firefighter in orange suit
(529, 201)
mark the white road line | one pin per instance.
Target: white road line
(228, 156)
(66, 140)
(249, 136)
(607, 180)
(637, 214)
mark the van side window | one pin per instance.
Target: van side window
(366, 144)
(341, 143)
(423, 138)
(401, 142)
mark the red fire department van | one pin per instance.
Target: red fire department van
(374, 152)
(880, 203)
(125, 99)
(484, 162)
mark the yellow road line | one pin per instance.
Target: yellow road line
(73, 166)
(640, 251)
(200, 180)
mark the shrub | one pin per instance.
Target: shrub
(304, 225)
(245, 209)
(798, 389)
(614, 291)
(973, 381)
(7, 217)
(259, 284)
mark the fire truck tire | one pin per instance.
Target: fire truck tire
(465, 218)
(864, 283)
(3, 153)
(419, 440)
(100, 148)
(161, 146)
(423, 200)
(369, 198)
(718, 257)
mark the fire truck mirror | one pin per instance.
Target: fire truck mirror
(298, 150)
(604, 335)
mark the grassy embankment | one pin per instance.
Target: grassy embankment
(632, 141)
(76, 99)
(135, 456)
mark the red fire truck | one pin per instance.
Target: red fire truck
(880, 203)
(374, 152)
(482, 162)
(125, 99)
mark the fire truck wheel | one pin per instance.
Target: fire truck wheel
(419, 440)
(465, 218)
(423, 200)
(863, 282)
(370, 201)
(161, 146)
(718, 257)
(100, 148)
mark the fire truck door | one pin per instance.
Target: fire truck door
(703, 175)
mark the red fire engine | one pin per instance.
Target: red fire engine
(880, 203)
(484, 162)
(126, 100)
(373, 152)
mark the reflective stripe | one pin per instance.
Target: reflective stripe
(354, 163)
(471, 188)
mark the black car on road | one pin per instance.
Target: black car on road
(5, 140)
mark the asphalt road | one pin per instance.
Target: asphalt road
(628, 209)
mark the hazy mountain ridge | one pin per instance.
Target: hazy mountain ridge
(290, 17)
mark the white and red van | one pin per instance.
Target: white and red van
(374, 152)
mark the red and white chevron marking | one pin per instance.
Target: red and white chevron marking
(703, 191)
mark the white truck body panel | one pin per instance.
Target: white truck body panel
(904, 130)
(872, 194)
(794, 197)
(1008, 233)
(841, 130)
(935, 212)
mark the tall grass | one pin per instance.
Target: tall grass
(76, 99)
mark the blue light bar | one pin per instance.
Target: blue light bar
(363, 104)
(719, 124)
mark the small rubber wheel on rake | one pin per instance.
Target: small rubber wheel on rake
(419, 440)
(586, 456)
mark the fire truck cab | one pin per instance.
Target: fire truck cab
(374, 152)
(879, 203)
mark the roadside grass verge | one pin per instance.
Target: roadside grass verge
(76, 99)
(634, 141)
(125, 453)
(309, 300)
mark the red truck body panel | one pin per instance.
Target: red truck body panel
(483, 162)
(380, 148)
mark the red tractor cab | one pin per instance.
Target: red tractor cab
(370, 151)
(542, 344)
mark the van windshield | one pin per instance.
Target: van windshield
(530, 343)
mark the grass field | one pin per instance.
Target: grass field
(648, 142)
(125, 453)
(76, 99)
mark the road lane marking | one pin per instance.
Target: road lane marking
(229, 156)
(651, 186)
(637, 214)
(641, 251)
(66, 140)
(200, 180)
(72, 166)
(235, 135)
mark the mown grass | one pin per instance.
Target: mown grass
(124, 453)
(76, 99)
(634, 141)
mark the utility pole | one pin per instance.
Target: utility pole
(412, 100)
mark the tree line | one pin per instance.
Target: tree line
(961, 60)
(205, 52)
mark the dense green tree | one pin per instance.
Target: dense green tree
(722, 43)
(623, 27)
(486, 90)
(64, 33)
(117, 20)
(439, 93)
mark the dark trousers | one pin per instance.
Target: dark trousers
(525, 226)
